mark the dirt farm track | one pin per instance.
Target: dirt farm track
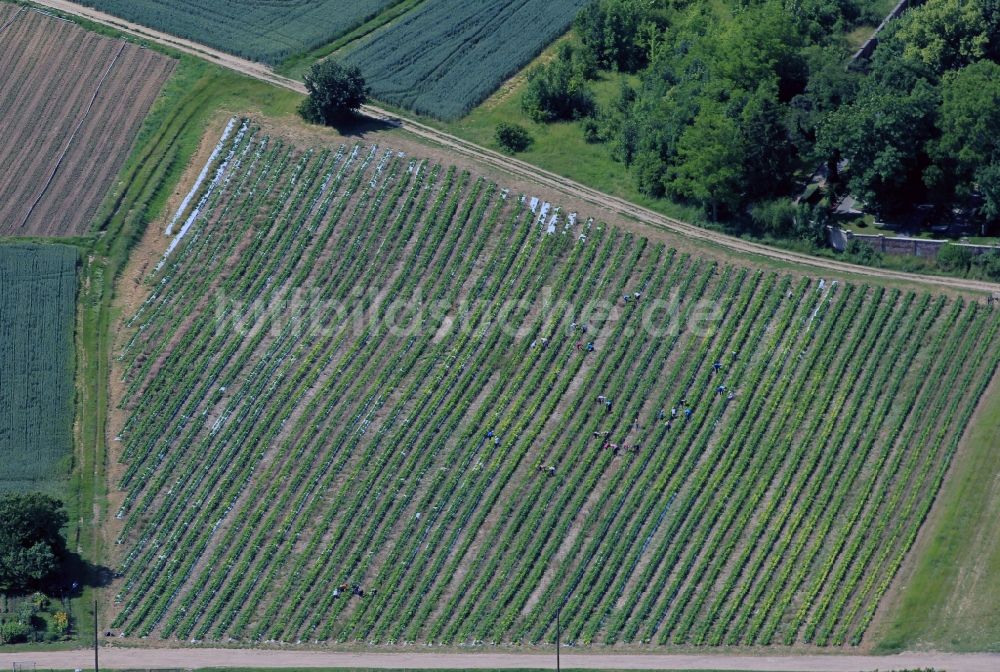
(197, 658)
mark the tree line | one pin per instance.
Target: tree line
(732, 111)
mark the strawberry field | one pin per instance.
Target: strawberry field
(370, 398)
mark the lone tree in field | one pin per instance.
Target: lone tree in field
(31, 542)
(335, 92)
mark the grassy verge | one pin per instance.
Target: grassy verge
(296, 66)
(948, 598)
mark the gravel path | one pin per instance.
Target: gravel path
(198, 658)
(525, 170)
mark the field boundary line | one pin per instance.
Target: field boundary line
(72, 137)
(13, 18)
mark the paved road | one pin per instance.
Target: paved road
(197, 658)
(522, 169)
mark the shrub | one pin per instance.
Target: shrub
(776, 217)
(863, 254)
(61, 621)
(591, 132)
(512, 137)
(14, 632)
(40, 601)
(954, 258)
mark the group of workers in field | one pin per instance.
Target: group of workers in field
(688, 413)
(604, 400)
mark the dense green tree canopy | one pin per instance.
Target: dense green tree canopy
(617, 32)
(739, 98)
(970, 121)
(31, 541)
(948, 34)
(768, 157)
(882, 136)
(710, 122)
(924, 127)
(710, 155)
(830, 85)
(335, 92)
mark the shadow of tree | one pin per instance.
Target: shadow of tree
(359, 124)
(77, 573)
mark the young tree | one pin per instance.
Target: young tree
(512, 137)
(557, 91)
(31, 541)
(335, 92)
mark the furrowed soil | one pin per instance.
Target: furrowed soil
(75, 101)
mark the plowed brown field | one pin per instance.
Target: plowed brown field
(71, 103)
